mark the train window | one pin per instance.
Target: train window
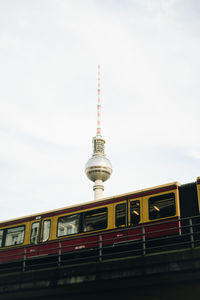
(120, 215)
(46, 230)
(68, 225)
(134, 212)
(35, 233)
(14, 236)
(95, 219)
(1, 237)
(162, 206)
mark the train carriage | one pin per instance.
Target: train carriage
(150, 214)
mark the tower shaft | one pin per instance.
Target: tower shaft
(98, 189)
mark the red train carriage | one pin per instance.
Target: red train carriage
(117, 221)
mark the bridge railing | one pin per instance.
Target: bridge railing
(144, 240)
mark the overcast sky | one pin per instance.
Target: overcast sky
(49, 52)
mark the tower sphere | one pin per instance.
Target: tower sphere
(98, 167)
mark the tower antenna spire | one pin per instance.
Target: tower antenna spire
(99, 104)
(98, 168)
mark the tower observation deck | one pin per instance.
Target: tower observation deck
(98, 168)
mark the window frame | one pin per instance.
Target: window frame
(159, 197)
(81, 222)
(3, 244)
(79, 225)
(96, 209)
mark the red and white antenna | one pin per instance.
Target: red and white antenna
(99, 105)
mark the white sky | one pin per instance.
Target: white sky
(49, 51)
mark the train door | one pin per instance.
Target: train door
(40, 230)
(134, 219)
(35, 232)
(120, 210)
(120, 221)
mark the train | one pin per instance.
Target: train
(120, 220)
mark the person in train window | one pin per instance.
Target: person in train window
(88, 227)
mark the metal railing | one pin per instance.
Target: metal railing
(141, 240)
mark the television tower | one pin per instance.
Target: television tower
(98, 168)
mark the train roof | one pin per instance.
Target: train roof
(103, 201)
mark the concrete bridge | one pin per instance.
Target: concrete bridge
(167, 275)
